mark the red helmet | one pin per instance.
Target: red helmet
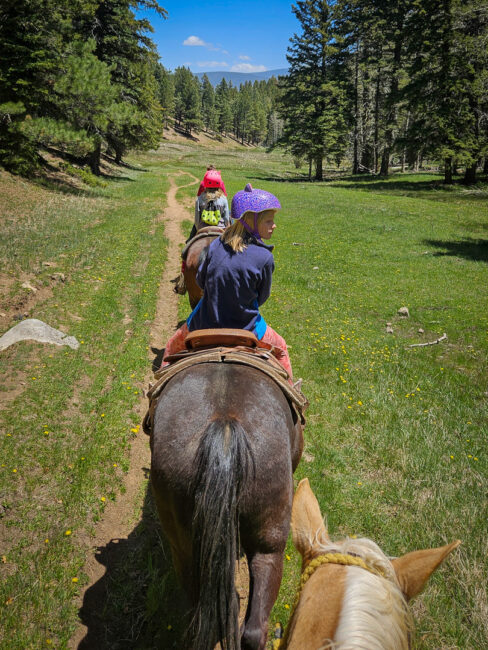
(212, 179)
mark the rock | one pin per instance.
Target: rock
(389, 328)
(36, 330)
(315, 268)
(49, 264)
(403, 312)
(60, 277)
(29, 287)
(420, 330)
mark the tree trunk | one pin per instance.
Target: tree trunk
(470, 174)
(385, 161)
(485, 166)
(376, 123)
(448, 171)
(310, 169)
(319, 168)
(119, 152)
(355, 165)
(94, 158)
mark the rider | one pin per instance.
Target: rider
(211, 206)
(236, 275)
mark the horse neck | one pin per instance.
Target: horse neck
(373, 609)
(347, 607)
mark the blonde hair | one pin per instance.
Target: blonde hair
(212, 193)
(234, 235)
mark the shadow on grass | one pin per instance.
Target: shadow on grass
(137, 603)
(470, 249)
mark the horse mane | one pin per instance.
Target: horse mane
(374, 612)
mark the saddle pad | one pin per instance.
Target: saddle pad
(209, 231)
(260, 359)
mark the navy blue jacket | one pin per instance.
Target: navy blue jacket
(234, 286)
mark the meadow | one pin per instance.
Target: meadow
(395, 437)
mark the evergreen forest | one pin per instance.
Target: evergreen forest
(372, 86)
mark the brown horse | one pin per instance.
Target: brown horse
(351, 594)
(224, 446)
(193, 259)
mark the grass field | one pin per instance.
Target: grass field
(395, 438)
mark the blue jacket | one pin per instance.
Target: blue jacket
(234, 286)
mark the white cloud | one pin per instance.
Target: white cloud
(244, 57)
(248, 67)
(194, 41)
(212, 64)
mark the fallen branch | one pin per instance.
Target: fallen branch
(422, 345)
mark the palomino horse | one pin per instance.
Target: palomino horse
(224, 447)
(193, 258)
(351, 595)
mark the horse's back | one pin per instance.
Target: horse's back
(224, 444)
(203, 393)
(232, 393)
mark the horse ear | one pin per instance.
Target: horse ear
(415, 568)
(307, 525)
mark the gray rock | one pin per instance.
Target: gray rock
(403, 311)
(36, 330)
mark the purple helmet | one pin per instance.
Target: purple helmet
(249, 200)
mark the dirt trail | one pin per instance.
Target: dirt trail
(120, 516)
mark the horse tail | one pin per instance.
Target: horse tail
(223, 465)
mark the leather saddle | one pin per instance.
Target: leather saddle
(225, 345)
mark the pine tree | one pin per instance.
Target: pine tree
(313, 103)
(123, 43)
(436, 89)
(223, 107)
(208, 104)
(33, 37)
(187, 100)
(166, 93)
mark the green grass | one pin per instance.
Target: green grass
(65, 439)
(395, 437)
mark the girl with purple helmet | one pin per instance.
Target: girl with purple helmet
(236, 275)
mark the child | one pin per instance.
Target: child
(211, 206)
(236, 275)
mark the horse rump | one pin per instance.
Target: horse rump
(223, 465)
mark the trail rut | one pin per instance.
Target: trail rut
(120, 516)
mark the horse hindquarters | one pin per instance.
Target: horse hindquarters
(223, 464)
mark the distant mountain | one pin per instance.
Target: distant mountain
(239, 78)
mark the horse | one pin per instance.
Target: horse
(224, 446)
(193, 257)
(351, 595)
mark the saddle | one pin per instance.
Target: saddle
(208, 231)
(225, 346)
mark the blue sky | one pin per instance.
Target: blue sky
(249, 36)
